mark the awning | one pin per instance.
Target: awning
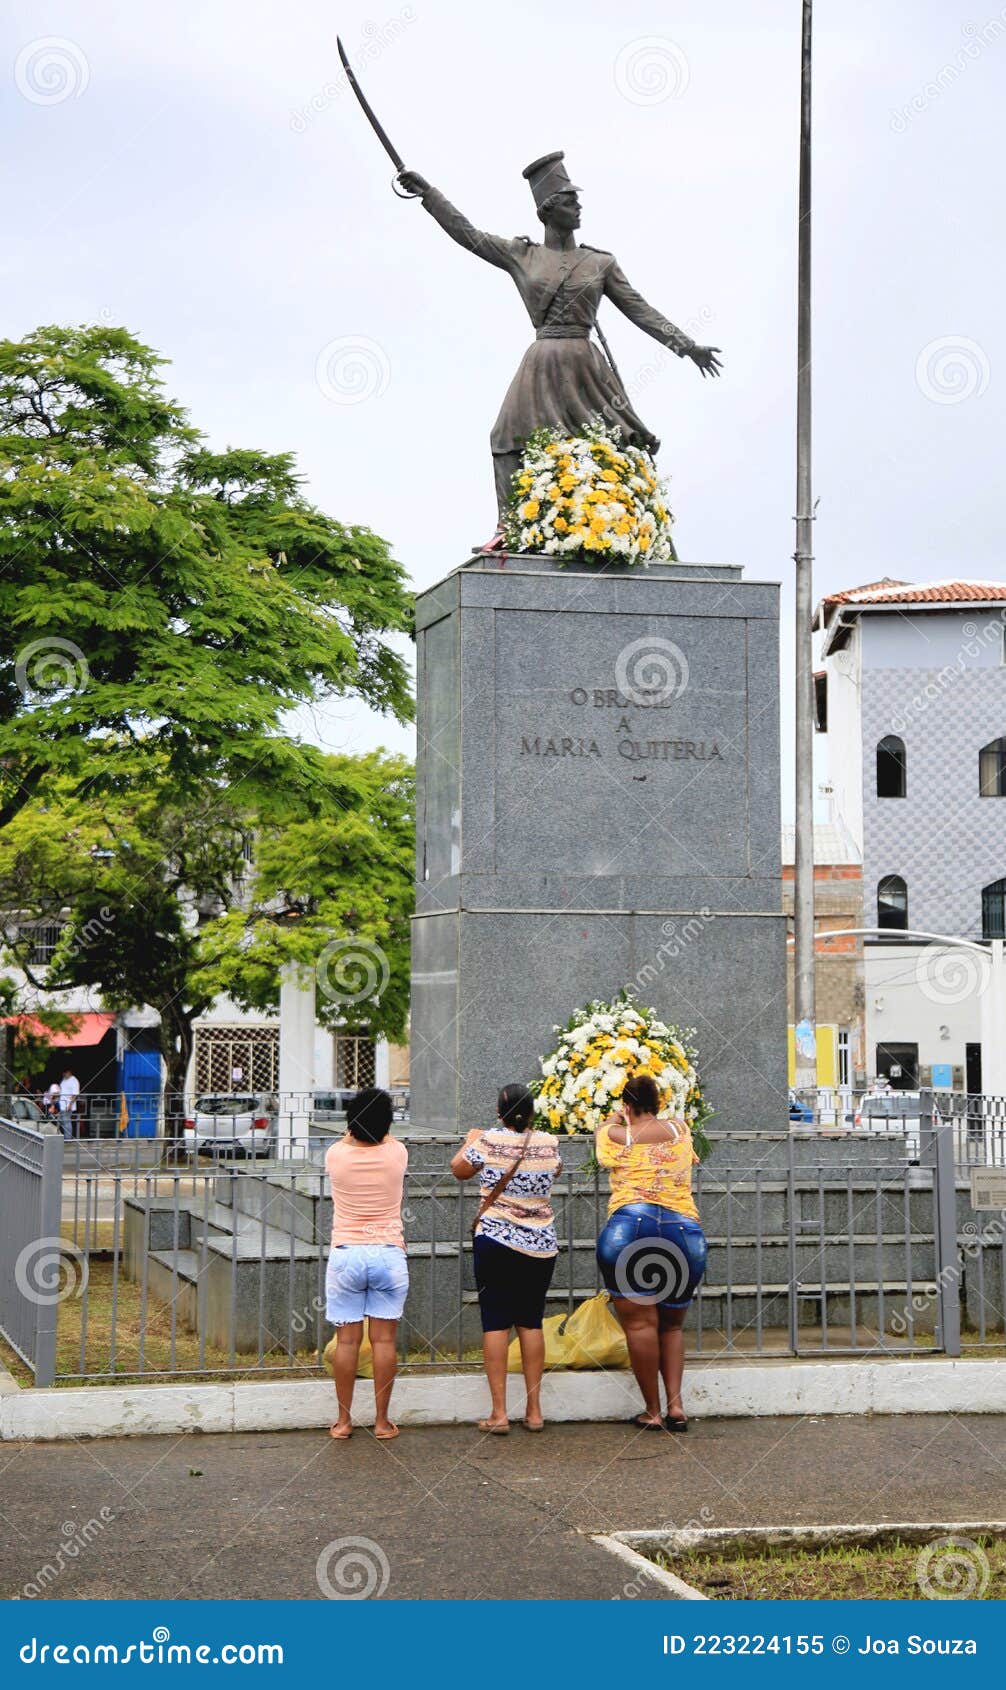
(86, 1029)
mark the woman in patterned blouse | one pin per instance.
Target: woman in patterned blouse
(514, 1246)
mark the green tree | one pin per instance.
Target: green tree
(161, 905)
(154, 592)
(162, 608)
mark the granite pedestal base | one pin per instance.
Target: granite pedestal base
(598, 807)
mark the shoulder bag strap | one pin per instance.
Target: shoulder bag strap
(502, 1182)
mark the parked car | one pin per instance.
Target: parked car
(228, 1123)
(891, 1112)
(798, 1110)
(331, 1105)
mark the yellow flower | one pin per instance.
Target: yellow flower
(561, 524)
(530, 509)
(608, 475)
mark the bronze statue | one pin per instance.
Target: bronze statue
(563, 379)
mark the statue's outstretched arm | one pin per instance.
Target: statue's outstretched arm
(634, 306)
(493, 248)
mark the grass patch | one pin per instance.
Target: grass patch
(894, 1571)
(112, 1349)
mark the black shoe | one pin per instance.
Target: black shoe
(675, 1423)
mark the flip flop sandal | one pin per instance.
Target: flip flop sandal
(494, 1431)
(646, 1425)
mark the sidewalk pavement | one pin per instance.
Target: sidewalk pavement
(453, 1513)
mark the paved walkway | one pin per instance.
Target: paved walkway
(456, 1514)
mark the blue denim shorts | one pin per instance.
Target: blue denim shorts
(364, 1280)
(652, 1255)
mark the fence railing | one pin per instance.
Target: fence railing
(30, 1244)
(197, 1266)
(977, 1120)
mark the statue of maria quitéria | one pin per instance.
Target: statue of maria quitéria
(563, 379)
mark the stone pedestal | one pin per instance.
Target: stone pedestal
(598, 806)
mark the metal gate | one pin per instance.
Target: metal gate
(874, 1263)
(33, 1257)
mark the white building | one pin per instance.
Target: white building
(913, 700)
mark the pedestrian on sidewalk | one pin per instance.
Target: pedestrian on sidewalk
(69, 1091)
(368, 1274)
(652, 1250)
(514, 1245)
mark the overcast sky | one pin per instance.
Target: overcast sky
(200, 173)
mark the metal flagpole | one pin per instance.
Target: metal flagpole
(803, 888)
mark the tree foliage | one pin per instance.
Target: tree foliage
(161, 905)
(156, 593)
(162, 608)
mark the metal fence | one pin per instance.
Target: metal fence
(146, 1125)
(821, 1242)
(977, 1120)
(30, 1244)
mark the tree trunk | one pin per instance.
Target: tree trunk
(176, 1051)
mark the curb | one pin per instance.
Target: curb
(730, 1390)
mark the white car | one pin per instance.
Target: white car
(226, 1123)
(891, 1112)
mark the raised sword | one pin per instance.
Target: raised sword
(376, 125)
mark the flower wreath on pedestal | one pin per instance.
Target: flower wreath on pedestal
(602, 1046)
(588, 495)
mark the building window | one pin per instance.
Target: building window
(844, 1058)
(892, 777)
(992, 769)
(44, 942)
(237, 1057)
(355, 1061)
(994, 910)
(892, 903)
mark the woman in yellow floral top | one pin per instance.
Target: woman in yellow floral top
(652, 1250)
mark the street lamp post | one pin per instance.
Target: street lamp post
(803, 872)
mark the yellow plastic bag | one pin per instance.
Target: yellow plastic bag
(365, 1365)
(589, 1337)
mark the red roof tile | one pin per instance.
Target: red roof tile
(924, 592)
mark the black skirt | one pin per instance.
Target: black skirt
(512, 1286)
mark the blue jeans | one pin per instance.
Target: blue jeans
(652, 1255)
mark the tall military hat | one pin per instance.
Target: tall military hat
(548, 176)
